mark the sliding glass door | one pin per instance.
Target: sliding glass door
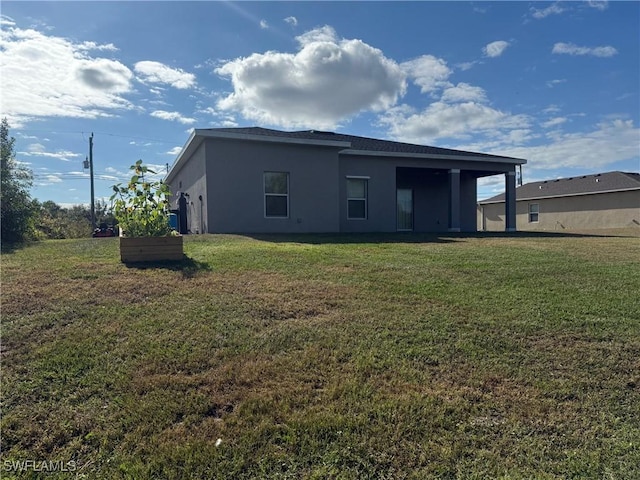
(405, 209)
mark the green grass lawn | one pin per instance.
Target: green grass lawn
(344, 357)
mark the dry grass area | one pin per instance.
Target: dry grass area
(377, 356)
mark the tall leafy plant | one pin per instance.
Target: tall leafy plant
(17, 214)
(142, 206)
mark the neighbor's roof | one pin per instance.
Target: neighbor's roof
(572, 186)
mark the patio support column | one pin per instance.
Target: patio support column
(454, 200)
(510, 201)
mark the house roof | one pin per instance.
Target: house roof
(572, 186)
(347, 145)
(364, 144)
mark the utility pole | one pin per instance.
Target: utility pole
(93, 207)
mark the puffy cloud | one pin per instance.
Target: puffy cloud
(48, 76)
(174, 151)
(554, 9)
(495, 49)
(454, 121)
(608, 143)
(328, 80)
(572, 49)
(105, 75)
(293, 21)
(324, 34)
(156, 72)
(463, 92)
(264, 24)
(173, 116)
(109, 47)
(428, 72)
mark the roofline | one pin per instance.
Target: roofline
(180, 155)
(436, 156)
(484, 202)
(199, 135)
(272, 139)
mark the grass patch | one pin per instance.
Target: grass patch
(359, 356)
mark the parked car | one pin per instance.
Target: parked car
(105, 231)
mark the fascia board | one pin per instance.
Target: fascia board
(431, 156)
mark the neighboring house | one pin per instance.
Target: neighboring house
(604, 200)
(256, 180)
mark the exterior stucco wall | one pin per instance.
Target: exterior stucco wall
(583, 212)
(381, 194)
(191, 179)
(236, 186)
(430, 197)
(430, 194)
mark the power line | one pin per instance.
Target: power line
(131, 137)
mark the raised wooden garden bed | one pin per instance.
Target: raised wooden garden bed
(151, 249)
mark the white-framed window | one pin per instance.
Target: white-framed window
(357, 189)
(534, 212)
(276, 194)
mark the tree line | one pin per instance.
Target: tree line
(23, 218)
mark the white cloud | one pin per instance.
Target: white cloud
(109, 47)
(442, 120)
(609, 143)
(495, 49)
(156, 72)
(572, 49)
(7, 21)
(554, 9)
(39, 150)
(174, 151)
(264, 24)
(598, 5)
(173, 116)
(293, 21)
(463, 92)
(324, 34)
(47, 76)
(428, 72)
(554, 122)
(328, 80)
(464, 66)
(553, 83)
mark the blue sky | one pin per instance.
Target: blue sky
(554, 83)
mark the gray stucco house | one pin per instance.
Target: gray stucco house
(602, 200)
(257, 180)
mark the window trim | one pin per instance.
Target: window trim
(536, 213)
(265, 194)
(364, 199)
